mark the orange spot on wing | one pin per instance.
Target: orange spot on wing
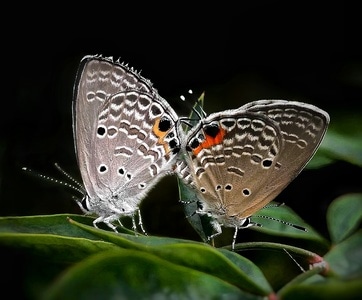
(161, 135)
(210, 141)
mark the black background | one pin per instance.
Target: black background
(236, 53)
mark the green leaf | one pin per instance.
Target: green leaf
(217, 263)
(320, 159)
(344, 216)
(199, 256)
(46, 224)
(344, 148)
(55, 239)
(342, 278)
(331, 289)
(54, 247)
(55, 236)
(343, 140)
(253, 272)
(345, 258)
(130, 274)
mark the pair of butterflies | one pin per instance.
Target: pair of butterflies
(127, 137)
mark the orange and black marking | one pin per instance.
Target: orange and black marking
(213, 134)
(161, 129)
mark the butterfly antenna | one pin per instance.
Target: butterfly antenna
(68, 176)
(300, 267)
(183, 98)
(77, 187)
(281, 221)
(274, 205)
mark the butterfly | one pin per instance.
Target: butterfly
(126, 138)
(237, 161)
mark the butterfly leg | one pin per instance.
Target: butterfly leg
(100, 219)
(217, 227)
(234, 238)
(140, 222)
(110, 225)
(134, 227)
(106, 221)
(120, 223)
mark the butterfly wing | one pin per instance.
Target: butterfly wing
(225, 151)
(253, 154)
(122, 131)
(137, 140)
(303, 127)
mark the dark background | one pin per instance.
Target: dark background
(236, 53)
